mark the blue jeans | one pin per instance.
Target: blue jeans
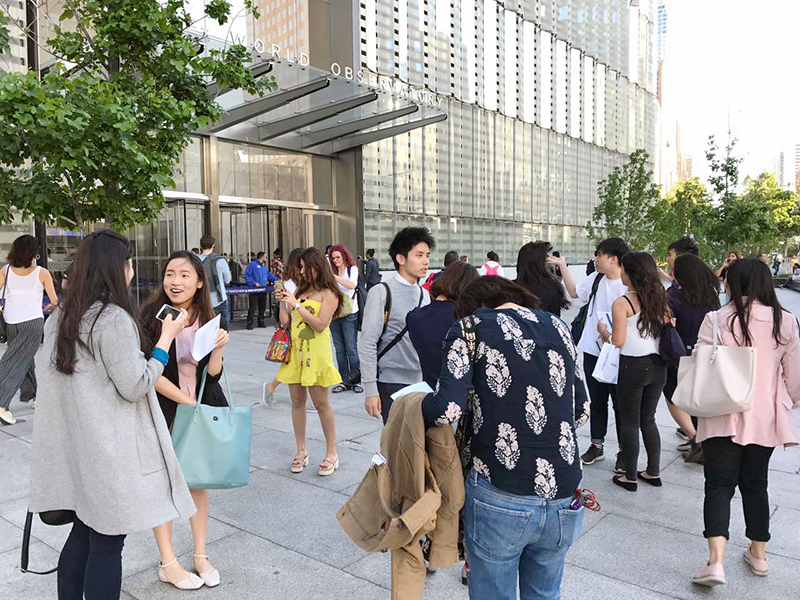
(345, 341)
(509, 536)
(222, 309)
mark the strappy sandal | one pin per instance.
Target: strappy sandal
(358, 389)
(328, 466)
(299, 463)
(339, 388)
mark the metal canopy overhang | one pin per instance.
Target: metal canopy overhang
(348, 114)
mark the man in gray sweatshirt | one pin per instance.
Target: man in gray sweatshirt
(410, 251)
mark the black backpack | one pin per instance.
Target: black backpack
(579, 322)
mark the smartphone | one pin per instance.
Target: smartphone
(278, 286)
(168, 310)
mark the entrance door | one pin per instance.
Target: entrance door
(319, 229)
(265, 229)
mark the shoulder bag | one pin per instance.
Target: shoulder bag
(354, 376)
(465, 431)
(279, 349)
(579, 322)
(3, 332)
(212, 443)
(716, 380)
(48, 517)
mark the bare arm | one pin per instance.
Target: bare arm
(619, 318)
(3, 276)
(346, 281)
(566, 276)
(169, 390)
(47, 280)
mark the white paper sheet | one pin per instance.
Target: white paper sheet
(205, 339)
(420, 387)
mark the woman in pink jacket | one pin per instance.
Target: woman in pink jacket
(738, 447)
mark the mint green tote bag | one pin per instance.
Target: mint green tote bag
(212, 443)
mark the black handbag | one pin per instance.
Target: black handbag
(3, 332)
(55, 518)
(579, 322)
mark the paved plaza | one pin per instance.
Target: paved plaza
(278, 538)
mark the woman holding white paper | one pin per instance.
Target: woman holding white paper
(184, 286)
(638, 317)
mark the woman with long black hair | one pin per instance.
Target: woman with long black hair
(101, 446)
(637, 320)
(185, 287)
(738, 447)
(533, 274)
(698, 294)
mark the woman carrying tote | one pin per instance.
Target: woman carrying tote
(184, 286)
(345, 329)
(22, 284)
(311, 367)
(738, 447)
(638, 317)
(100, 443)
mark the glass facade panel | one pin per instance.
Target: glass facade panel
(540, 108)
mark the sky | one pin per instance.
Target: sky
(737, 57)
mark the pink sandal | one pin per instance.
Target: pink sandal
(328, 466)
(299, 463)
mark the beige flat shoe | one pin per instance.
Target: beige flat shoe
(211, 579)
(193, 582)
(757, 565)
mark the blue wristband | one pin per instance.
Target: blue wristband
(161, 356)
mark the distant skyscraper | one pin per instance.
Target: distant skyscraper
(796, 160)
(780, 169)
(662, 30)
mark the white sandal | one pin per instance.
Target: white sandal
(210, 579)
(323, 471)
(298, 465)
(193, 582)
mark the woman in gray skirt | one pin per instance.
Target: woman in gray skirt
(22, 284)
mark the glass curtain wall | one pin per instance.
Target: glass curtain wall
(541, 104)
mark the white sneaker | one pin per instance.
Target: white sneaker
(6, 418)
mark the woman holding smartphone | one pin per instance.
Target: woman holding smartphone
(311, 366)
(100, 444)
(184, 287)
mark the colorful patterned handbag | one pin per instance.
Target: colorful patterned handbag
(280, 346)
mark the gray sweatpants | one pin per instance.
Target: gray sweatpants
(17, 365)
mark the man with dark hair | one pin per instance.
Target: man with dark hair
(599, 289)
(372, 269)
(684, 245)
(218, 274)
(449, 258)
(398, 365)
(464, 258)
(196, 251)
(259, 276)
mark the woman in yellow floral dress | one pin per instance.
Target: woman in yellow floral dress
(311, 366)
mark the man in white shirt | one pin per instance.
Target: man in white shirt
(608, 260)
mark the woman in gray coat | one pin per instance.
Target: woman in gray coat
(100, 443)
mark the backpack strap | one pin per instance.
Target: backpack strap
(403, 332)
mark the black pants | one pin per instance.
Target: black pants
(259, 300)
(728, 465)
(385, 391)
(599, 393)
(90, 565)
(641, 381)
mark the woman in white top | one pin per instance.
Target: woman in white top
(637, 320)
(22, 283)
(492, 266)
(345, 329)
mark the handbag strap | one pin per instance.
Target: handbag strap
(203, 389)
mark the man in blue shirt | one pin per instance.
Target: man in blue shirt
(259, 276)
(218, 275)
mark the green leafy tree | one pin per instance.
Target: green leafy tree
(99, 135)
(628, 201)
(685, 210)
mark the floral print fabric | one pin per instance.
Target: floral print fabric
(528, 397)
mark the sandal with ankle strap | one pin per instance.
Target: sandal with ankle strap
(328, 466)
(192, 582)
(211, 579)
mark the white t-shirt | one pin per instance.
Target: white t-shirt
(493, 265)
(608, 291)
(351, 275)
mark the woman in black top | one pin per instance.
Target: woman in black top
(533, 274)
(184, 286)
(694, 293)
(529, 398)
(428, 325)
